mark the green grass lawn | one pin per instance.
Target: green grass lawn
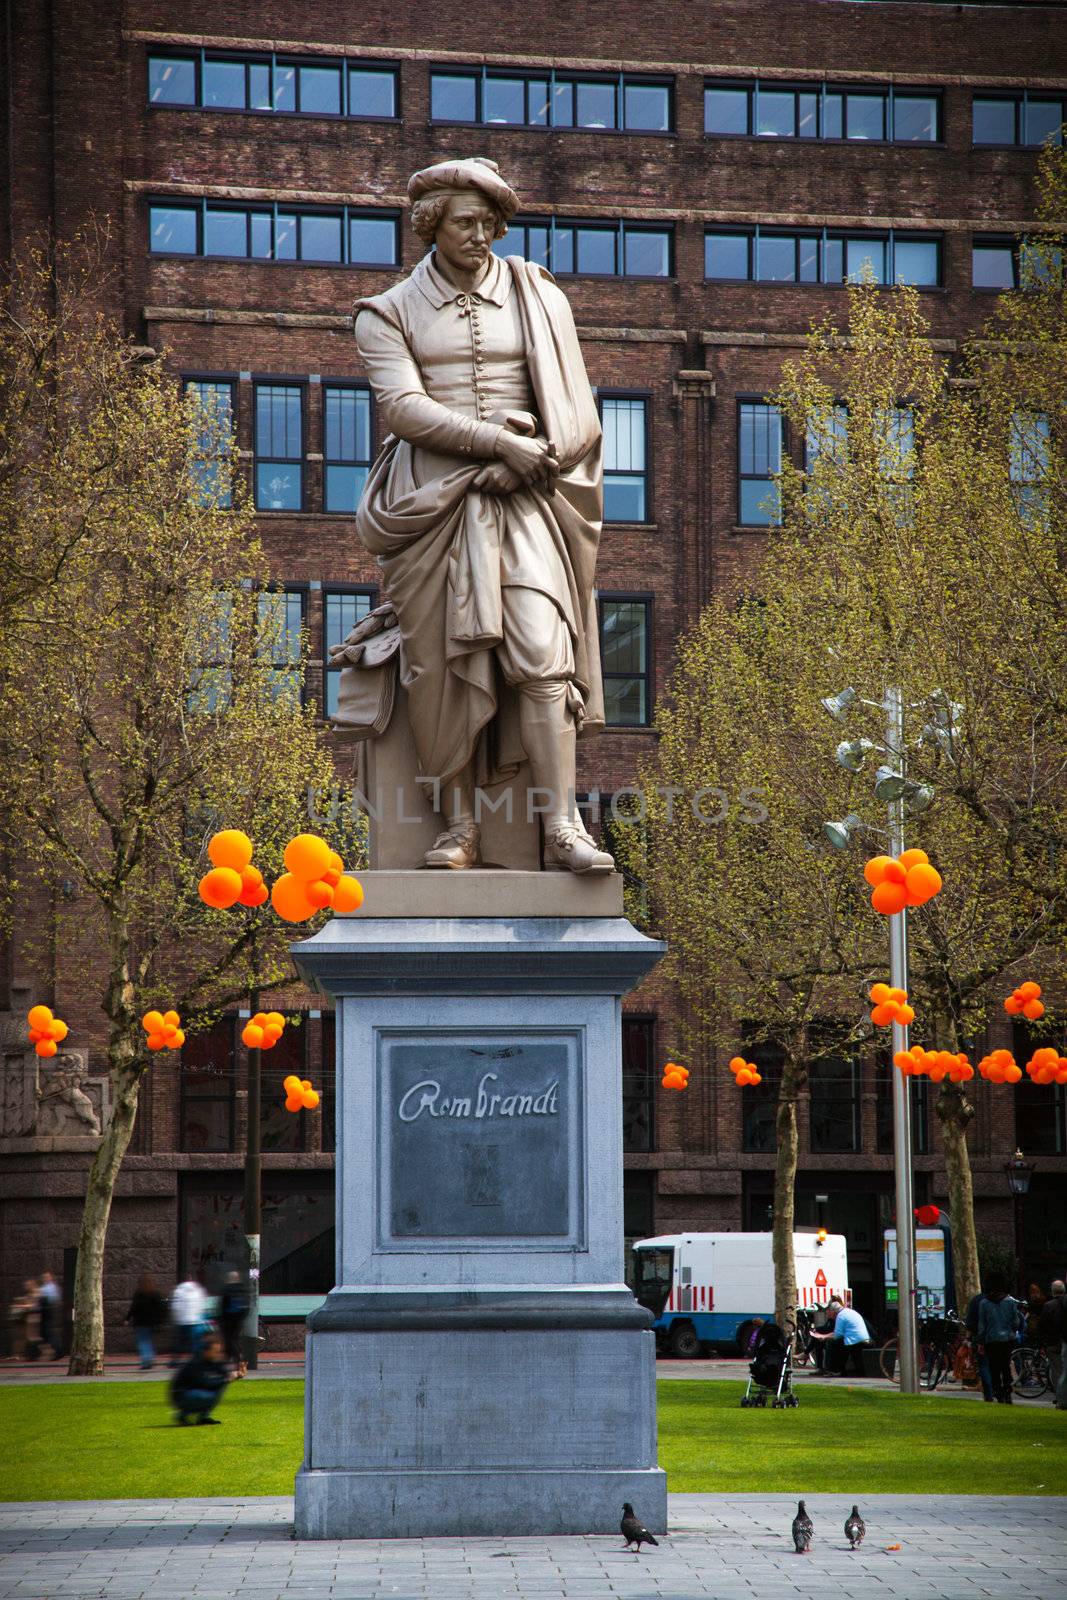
(119, 1440)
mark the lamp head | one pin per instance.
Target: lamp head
(852, 753)
(838, 704)
(889, 784)
(918, 797)
(839, 833)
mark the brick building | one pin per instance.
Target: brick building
(702, 179)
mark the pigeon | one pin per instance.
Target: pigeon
(633, 1530)
(855, 1528)
(802, 1530)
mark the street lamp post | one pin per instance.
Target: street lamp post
(1019, 1171)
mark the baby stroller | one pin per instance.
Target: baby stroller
(770, 1370)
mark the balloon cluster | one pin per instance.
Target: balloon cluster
(928, 1216)
(232, 879)
(46, 1031)
(890, 1005)
(315, 879)
(263, 1031)
(745, 1072)
(299, 1095)
(674, 1076)
(1000, 1067)
(163, 1030)
(937, 1065)
(899, 881)
(1026, 999)
(1047, 1066)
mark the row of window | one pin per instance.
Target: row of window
(623, 102)
(280, 445)
(594, 247)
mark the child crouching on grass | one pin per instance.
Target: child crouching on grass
(197, 1387)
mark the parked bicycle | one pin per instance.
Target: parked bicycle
(1031, 1376)
(945, 1352)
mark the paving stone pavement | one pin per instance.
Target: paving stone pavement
(733, 1547)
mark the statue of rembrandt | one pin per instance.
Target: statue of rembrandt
(484, 510)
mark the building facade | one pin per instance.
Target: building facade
(703, 180)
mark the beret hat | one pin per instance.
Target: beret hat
(472, 172)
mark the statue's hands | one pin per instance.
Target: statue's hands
(532, 460)
(497, 478)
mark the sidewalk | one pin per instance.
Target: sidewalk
(733, 1547)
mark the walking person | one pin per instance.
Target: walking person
(1052, 1337)
(233, 1309)
(198, 1386)
(50, 1306)
(999, 1321)
(188, 1304)
(147, 1314)
(25, 1317)
(981, 1359)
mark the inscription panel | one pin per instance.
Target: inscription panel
(479, 1138)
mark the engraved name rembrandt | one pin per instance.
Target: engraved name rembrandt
(428, 1096)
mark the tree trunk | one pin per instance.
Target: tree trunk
(87, 1343)
(785, 1173)
(955, 1112)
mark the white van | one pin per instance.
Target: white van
(703, 1287)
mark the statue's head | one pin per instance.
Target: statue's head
(460, 207)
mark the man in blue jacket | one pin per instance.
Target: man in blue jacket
(849, 1337)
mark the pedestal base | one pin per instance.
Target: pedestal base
(511, 1420)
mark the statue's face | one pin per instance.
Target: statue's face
(465, 232)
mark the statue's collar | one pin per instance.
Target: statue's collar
(495, 286)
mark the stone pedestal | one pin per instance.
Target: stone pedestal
(481, 1368)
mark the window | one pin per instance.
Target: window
(1041, 1108)
(280, 1129)
(346, 445)
(619, 102)
(768, 109)
(316, 87)
(625, 424)
(1027, 118)
(771, 255)
(211, 675)
(993, 264)
(638, 1082)
(281, 639)
(828, 438)
(918, 1100)
(214, 397)
(598, 249)
(297, 1250)
(835, 1104)
(624, 660)
(279, 447)
(1028, 462)
(759, 1102)
(759, 458)
(206, 1072)
(342, 608)
(171, 81)
(274, 233)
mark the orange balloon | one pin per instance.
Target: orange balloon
(311, 1099)
(882, 1016)
(35, 1034)
(250, 877)
(1029, 991)
(156, 1041)
(289, 899)
(905, 1015)
(755, 1077)
(912, 858)
(332, 877)
(276, 1018)
(46, 1047)
(894, 873)
(336, 864)
(319, 893)
(889, 898)
(307, 857)
(39, 1017)
(230, 848)
(874, 871)
(1033, 1010)
(171, 1019)
(923, 882)
(880, 993)
(1012, 1074)
(737, 1063)
(57, 1030)
(252, 1036)
(220, 887)
(254, 896)
(348, 895)
(291, 1084)
(178, 1040)
(305, 1083)
(292, 1103)
(1013, 1005)
(152, 1021)
(271, 1034)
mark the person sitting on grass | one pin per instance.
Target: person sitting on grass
(849, 1336)
(197, 1387)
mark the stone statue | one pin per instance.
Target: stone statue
(64, 1107)
(484, 509)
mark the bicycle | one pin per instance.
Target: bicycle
(942, 1341)
(1030, 1373)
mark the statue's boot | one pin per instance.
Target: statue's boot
(459, 847)
(546, 725)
